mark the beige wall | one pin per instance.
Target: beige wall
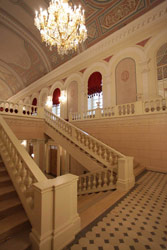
(144, 137)
(75, 167)
(26, 128)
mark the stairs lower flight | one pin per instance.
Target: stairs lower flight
(14, 224)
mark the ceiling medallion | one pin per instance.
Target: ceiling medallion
(61, 26)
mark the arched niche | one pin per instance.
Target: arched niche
(125, 81)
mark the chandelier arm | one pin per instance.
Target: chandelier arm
(62, 27)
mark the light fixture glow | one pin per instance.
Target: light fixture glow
(24, 143)
(49, 102)
(63, 97)
(61, 26)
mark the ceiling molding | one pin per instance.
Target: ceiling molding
(20, 30)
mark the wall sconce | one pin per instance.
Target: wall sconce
(49, 102)
(63, 97)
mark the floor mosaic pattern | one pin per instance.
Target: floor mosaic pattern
(137, 222)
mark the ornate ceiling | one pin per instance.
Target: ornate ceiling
(24, 58)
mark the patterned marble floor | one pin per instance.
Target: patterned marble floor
(136, 222)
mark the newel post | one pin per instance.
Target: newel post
(66, 218)
(126, 179)
(42, 225)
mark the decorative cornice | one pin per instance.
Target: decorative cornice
(154, 16)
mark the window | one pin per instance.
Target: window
(56, 102)
(56, 109)
(95, 101)
(95, 94)
(162, 70)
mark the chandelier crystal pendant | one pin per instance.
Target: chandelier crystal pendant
(61, 26)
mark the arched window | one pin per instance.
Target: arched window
(56, 102)
(162, 70)
(34, 102)
(95, 94)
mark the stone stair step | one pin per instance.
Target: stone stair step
(84, 205)
(5, 181)
(7, 192)
(13, 224)
(3, 171)
(9, 206)
(17, 242)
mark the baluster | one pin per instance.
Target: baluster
(16, 163)
(28, 183)
(99, 180)
(82, 139)
(23, 178)
(94, 181)
(110, 158)
(111, 178)
(19, 170)
(89, 182)
(105, 154)
(164, 104)
(152, 106)
(79, 137)
(91, 145)
(84, 183)
(132, 108)
(105, 179)
(29, 191)
(100, 151)
(87, 142)
(95, 148)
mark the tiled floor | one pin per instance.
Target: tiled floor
(137, 222)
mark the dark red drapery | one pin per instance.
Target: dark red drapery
(34, 102)
(56, 95)
(95, 83)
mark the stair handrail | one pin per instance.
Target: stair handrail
(22, 169)
(94, 147)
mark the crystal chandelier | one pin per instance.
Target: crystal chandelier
(61, 26)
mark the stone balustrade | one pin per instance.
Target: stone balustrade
(26, 110)
(21, 167)
(97, 181)
(151, 106)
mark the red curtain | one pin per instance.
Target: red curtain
(34, 102)
(95, 83)
(56, 95)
